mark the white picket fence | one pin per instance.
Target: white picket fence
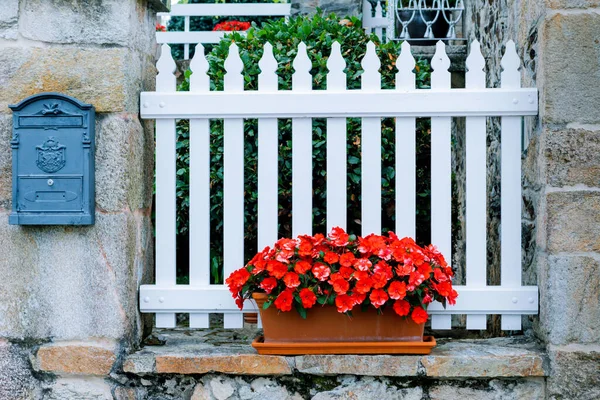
(373, 20)
(187, 37)
(371, 103)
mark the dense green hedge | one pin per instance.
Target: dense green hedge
(318, 33)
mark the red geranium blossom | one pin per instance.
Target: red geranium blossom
(397, 290)
(331, 257)
(344, 303)
(378, 298)
(308, 298)
(160, 28)
(419, 315)
(232, 26)
(402, 307)
(347, 259)
(284, 300)
(321, 271)
(291, 280)
(268, 285)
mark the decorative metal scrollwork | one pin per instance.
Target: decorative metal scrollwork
(427, 12)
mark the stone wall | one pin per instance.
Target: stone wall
(77, 286)
(339, 7)
(558, 39)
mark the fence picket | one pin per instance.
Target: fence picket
(267, 156)
(406, 179)
(165, 187)
(371, 150)
(476, 186)
(441, 185)
(233, 181)
(199, 224)
(510, 206)
(302, 151)
(336, 146)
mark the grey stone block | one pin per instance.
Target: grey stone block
(369, 388)
(108, 22)
(570, 299)
(78, 389)
(570, 57)
(5, 161)
(9, 17)
(573, 221)
(109, 78)
(16, 380)
(575, 372)
(73, 282)
(340, 7)
(573, 157)
(527, 389)
(558, 4)
(124, 163)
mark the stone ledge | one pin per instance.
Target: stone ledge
(77, 358)
(219, 351)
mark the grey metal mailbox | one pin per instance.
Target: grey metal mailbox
(53, 161)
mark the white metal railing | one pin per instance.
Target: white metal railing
(187, 37)
(371, 103)
(401, 15)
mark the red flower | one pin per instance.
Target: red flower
(439, 275)
(346, 272)
(284, 300)
(237, 279)
(321, 271)
(268, 284)
(302, 266)
(276, 269)
(338, 237)
(239, 302)
(415, 279)
(305, 246)
(397, 290)
(291, 280)
(452, 297)
(358, 298)
(232, 26)
(378, 298)
(444, 288)
(419, 315)
(347, 259)
(308, 298)
(340, 285)
(384, 268)
(425, 270)
(364, 285)
(405, 269)
(402, 307)
(363, 264)
(344, 303)
(160, 28)
(379, 280)
(331, 257)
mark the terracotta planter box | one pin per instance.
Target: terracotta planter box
(325, 331)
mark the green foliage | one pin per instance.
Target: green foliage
(318, 33)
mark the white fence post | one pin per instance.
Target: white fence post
(336, 146)
(510, 254)
(302, 151)
(371, 150)
(441, 172)
(233, 180)
(476, 187)
(199, 224)
(406, 150)
(165, 186)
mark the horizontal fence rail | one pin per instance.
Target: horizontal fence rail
(404, 103)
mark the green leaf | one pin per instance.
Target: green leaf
(267, 304)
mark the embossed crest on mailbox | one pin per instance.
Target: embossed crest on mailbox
(53, 161)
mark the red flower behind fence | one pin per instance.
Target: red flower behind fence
(232, 26)
(160, 28)
(347, 271)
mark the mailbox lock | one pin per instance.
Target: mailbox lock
(50, 182)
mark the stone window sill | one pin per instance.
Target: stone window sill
(229, 352)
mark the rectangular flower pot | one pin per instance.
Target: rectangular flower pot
(326, 324)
